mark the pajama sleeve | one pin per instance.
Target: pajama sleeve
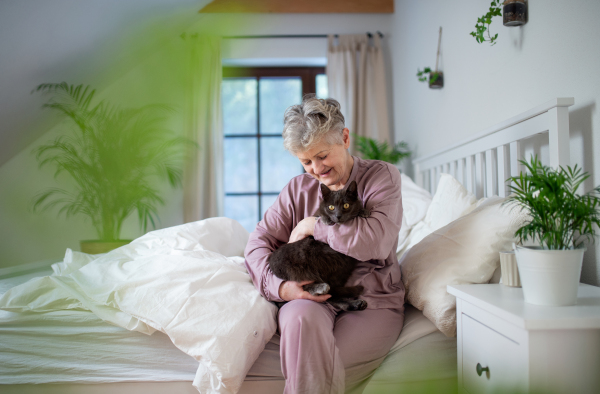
(374, 237)
(270, 233)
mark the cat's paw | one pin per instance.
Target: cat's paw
(317, 289)
(357, 305)
(364, 213)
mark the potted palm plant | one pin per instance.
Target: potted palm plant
(561, 222)
(114, 159)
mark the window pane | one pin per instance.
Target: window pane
(278, 166)
(244, 209)
(239, 105)
(266, 202)
(276, 94)
(241, 167)
(322, 90)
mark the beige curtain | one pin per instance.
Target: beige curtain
(203, 172)
(357, 79)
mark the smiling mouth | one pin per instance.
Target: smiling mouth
(325, 173)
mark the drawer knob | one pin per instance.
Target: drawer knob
(481, 370)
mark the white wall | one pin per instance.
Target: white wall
(554, 55)
(27, 237)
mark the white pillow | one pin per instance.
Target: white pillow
(451, 201)
(415, 202)
(464, 251)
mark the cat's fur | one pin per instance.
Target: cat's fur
(309, 259)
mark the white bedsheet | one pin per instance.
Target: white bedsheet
(78, 347)
(187, 281)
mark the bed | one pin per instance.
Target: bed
(75, 351)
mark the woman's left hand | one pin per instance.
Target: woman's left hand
(303, 229)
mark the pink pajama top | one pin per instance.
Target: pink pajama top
(372, 241)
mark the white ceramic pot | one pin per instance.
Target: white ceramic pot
(549, 277)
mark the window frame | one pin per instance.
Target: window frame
(308, 77)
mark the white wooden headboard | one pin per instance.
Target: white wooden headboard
(484, 161)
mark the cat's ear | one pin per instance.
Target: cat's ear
(325, 190)
(352, 188)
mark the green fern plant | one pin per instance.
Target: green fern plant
(560, 218)
(115, 157)
(373, 150)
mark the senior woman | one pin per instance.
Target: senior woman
(324, 350)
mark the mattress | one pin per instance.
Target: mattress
(58, 351)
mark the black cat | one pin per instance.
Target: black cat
(309, 259)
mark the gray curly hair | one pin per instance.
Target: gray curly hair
(312, 121)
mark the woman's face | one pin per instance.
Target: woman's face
(329, 164)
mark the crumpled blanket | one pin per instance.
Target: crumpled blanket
(187, 281)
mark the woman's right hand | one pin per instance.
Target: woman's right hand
(290, 290)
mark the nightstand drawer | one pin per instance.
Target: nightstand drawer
(503, 358)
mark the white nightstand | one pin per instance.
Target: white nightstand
(506, 344)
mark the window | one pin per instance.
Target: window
(257, 166)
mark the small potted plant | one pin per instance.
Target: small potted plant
(113, 159)
(371, 149)
(561, 222)
(436, 78)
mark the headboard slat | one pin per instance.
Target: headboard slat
(559, 142)
(490, 173)
(503, 170)
(469, 174)
(479, 175)
(461, 171)
(515, 166)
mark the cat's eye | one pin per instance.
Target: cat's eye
(346, 206)
(331, 207)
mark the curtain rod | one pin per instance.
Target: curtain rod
(293, 36)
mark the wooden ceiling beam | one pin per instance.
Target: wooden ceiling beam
(300, 6)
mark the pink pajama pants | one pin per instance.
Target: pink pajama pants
(326, 352)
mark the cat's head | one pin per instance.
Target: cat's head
(342, 205)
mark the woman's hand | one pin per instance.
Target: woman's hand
(290, 290)
(303, 229)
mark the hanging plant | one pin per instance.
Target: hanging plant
(481, 28)
(436, 78)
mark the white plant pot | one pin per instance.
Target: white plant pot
(549, 277)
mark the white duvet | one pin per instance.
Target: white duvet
(187, 281)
